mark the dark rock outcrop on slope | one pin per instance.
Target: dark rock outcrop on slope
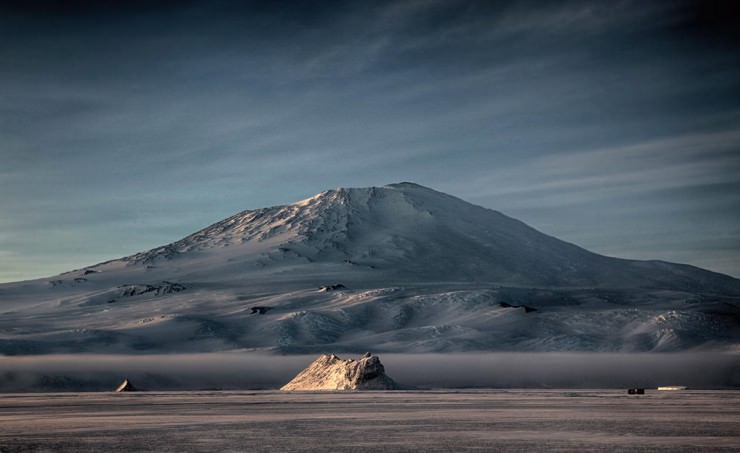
(158, 290)
(330, 372)
(527, 308)
(335, 287)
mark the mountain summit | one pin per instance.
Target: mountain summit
(407, 231)
(394, 268)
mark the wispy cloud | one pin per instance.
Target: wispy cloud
(586, 175)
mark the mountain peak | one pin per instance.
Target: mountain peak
(341, 193)
(408, 232)
(407, 185)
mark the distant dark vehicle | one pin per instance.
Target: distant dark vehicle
(636, 391)
(261, 310)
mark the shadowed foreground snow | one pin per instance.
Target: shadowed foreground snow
(519, 420)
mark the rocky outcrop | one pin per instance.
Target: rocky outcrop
(158, 290)
(126, 386)
(329, 372)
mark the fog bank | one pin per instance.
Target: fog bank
(475, 370)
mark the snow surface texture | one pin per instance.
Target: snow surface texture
(400, 268)
(482, 421)
(329, 372)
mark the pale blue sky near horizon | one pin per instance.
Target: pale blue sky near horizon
(612, 125)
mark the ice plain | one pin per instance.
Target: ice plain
(435, 421)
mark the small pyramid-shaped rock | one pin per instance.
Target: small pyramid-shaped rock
(329, 372)
(126, 386)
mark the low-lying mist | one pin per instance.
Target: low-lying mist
(473, 370)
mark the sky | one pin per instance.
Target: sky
(127, 125)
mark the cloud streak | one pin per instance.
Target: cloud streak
(675, 162)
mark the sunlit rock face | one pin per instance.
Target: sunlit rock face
(330, 372)
(126, 386)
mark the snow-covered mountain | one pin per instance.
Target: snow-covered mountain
(394, 268)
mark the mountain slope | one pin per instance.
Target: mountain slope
(419, 271)
(412, 232)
